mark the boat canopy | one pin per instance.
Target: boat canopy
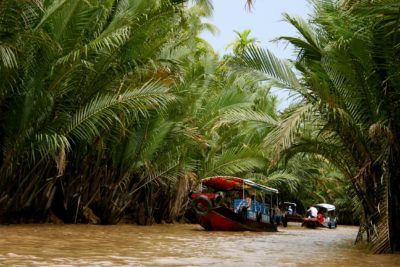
(290, 203)
(329, 207)
(227, 183)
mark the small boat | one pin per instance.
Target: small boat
(326, 217)
(290, 210)
(223, 205)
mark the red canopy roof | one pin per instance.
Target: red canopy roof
(227, 183)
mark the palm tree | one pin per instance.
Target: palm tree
(348, 109)
(107, 109)
(242, 42)
(76, 73)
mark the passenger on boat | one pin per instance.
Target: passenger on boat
(277, 215)
(248, 200)
(290, 210)
(242, 205)
(228, 201)
(312, 212)
(320, 217)
(243, 212)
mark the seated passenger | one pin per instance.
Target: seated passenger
(290, 210)
(308, 212)
(228, 202)
(251, 202)
(312, 212)
(320, 217)
(248, 201)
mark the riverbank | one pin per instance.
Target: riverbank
(181, 245)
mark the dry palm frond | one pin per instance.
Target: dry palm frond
(378, 131)
(61, 161)
(249, 4)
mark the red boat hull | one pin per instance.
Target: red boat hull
(224, 219)
(311, 223)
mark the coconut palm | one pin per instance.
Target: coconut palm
(76, 73)
(348, 108)
(243, 41)
(89, 131)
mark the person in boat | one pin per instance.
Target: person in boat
(277, 214)
(290, 210)
(228, 201)
(245, 203)
(312, 212)
(249, 198)
(320, 217)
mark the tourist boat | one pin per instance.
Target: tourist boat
(222, 205)
(290, 210)
(326, 217)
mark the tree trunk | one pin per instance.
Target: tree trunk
(376, 206)
(394, 201)
(177, 204)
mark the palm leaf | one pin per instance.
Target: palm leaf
(8, 57)
(276, 70)
(233, 161)
(281, 137)
(103, 111)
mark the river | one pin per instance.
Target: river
(181, 245)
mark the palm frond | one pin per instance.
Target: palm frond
(281, 137)
(241, 115)
(282, 179)
(104, 110)
(54, 7)
(276, 70)
(233, 161)
(308, 47)
(8, 57)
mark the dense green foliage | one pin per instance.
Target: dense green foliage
(77, 83)
(348, 86)
(114, 109)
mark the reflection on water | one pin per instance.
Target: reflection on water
(181, 245)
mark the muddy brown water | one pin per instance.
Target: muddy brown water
(181, 245)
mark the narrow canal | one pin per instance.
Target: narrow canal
(181, 245)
